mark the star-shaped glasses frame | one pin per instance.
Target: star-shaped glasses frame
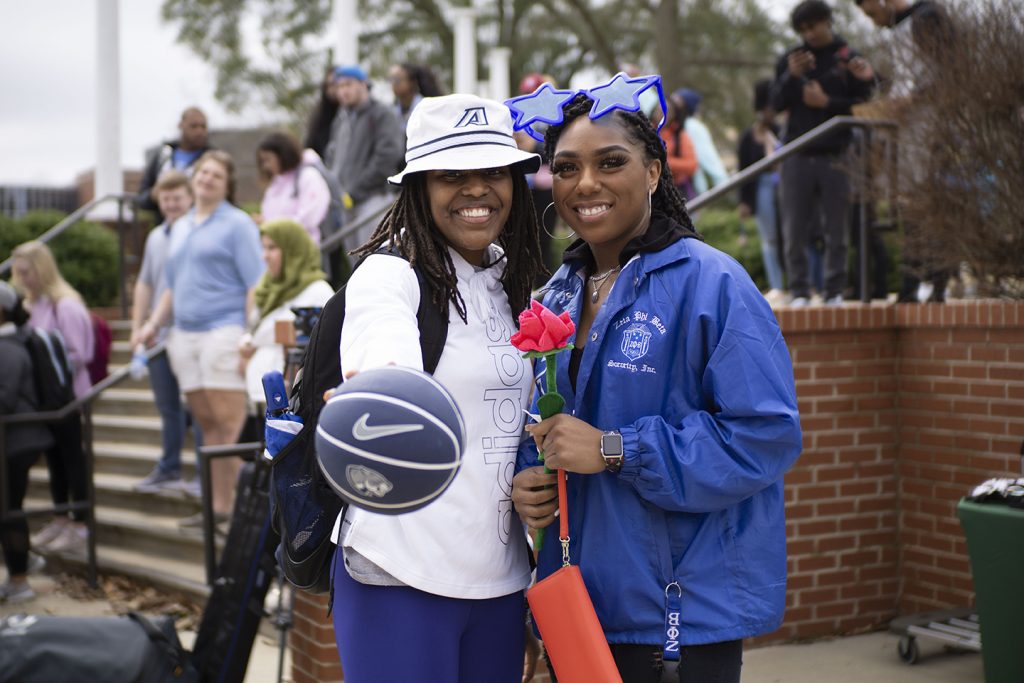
(544, 105)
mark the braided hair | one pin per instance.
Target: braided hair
(639, 129)
(409, 226)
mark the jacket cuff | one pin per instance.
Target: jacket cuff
(630, 453)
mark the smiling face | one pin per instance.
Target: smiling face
(470, 208)
(602, 182)
(210, 182)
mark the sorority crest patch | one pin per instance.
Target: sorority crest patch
(636, 340)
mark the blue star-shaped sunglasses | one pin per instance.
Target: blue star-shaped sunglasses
(544, 105)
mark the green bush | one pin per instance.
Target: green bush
(723, 230)
(86, 253)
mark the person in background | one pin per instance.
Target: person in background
(181, 155)
(681, 156)
(757, 197)
(55, 306)
(710, 169)
(293, 279)
(295, 189)
(211, 272)
(411, 83)
(366, 147)
(821, 78)
(173, 195)
(921, 36)
(22, 442)
(318, 127)
(681, 413)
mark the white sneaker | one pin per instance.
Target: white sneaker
(776, 297)
(73, 539)
(817, 299)
(799, 302)
(15, 593)
(49, 533)
(836, 300)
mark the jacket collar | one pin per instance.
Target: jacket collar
(652, 247)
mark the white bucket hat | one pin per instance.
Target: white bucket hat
(461, 133)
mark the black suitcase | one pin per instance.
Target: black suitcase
(245, 572)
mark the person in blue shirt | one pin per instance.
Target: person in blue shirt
(180, 155)
(680, 418)
(214, 263)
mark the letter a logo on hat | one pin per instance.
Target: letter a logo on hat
(475, 116)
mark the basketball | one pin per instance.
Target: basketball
(390, 440)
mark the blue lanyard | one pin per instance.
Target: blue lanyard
(673, 616)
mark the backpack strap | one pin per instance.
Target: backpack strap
(317, 376)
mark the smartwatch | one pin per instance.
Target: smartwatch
(611, 451)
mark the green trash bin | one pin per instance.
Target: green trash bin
(995, 543)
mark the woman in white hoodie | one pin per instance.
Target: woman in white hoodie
(437, 594)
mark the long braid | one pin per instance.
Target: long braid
(409, 226)
(638, 128)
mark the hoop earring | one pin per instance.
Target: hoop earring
(544, 227)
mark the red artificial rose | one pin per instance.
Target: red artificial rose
(541, 330)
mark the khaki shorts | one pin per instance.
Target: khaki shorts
(206, 360)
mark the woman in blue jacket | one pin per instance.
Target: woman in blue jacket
(680, 418)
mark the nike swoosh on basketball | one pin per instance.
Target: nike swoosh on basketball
(365, 432)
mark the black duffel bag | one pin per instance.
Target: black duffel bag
(128, 649)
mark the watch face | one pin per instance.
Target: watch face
(611, 445)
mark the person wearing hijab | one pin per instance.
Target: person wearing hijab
(293, 279)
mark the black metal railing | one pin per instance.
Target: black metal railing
(81, 405)
(125, 223)
(862, 145)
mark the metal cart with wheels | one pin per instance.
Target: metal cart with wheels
(956, 629)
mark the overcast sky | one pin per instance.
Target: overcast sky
(47, 80)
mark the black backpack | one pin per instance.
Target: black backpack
(51, 371)
(304, 505)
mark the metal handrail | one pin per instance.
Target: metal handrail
(833, 125)
(333, 242)
(205, 456)
(83, 403)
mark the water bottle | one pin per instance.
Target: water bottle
(137, 368)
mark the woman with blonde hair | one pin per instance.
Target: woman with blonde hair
(55, 306)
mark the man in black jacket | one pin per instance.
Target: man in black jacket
(815, 81)
(180, 155)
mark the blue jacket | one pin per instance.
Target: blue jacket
(686, 360)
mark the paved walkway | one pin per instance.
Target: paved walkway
(867, 658)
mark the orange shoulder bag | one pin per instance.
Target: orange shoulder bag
(566, 619)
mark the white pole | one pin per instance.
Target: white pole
(107, 178)
(498, 59)
(465, 50)
(347, 23)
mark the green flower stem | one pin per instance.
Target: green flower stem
(549, 405)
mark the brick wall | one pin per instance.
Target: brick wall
(314, 654)
(904, 409)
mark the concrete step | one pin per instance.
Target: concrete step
(118, 401)
(121, 351)
(136, 460)
(126, 429)
(116, 491)
(173, 573)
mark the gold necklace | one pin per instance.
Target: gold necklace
(597, 281)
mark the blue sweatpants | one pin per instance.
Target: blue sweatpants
(399, 634)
